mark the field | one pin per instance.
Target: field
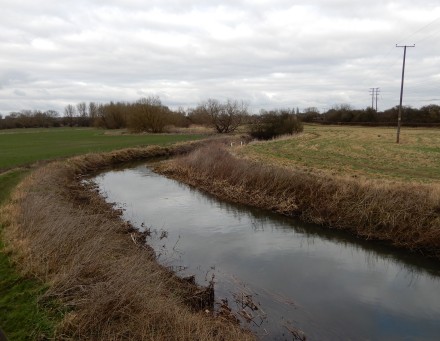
(357, 151)
(20, 147)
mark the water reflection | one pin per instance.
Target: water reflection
(327, 283)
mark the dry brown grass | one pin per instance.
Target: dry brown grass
(192, 129)
(64, 233)
(406, 214)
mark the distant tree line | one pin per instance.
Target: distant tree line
(30, 119)
(143, 115)
(146, 114)
(150, 115)
(426, 115)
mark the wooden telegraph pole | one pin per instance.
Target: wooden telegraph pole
(399, 118)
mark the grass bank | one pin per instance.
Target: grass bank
(22, 315)
(406, 214)
(369, 152)
(19, 147)
(63, 233)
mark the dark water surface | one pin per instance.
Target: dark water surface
(326, 283)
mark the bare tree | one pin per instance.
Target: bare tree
(93, 113)
(93, 110)
(70, 113)
(225, 118)
(83, 118)
(81, 109)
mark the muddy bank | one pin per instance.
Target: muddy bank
(61, 231)
(404, 214)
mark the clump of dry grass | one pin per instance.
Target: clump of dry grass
(406, 214)
(64, 233)
(192, 129)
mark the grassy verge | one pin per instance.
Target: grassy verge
(406, 214)
(60, 231)
(357, 151)
(8, 181)
(21, 314)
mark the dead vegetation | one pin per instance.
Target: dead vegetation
(406, 214)
(62, 232)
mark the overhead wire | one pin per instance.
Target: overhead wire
(433, 31)
(419, 30)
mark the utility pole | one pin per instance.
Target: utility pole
(374, 92)
(377, 93)
(372, 97)
(399, 118)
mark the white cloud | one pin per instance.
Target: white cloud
(269, 53)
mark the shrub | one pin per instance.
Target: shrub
(275, 123)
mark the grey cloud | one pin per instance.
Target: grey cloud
(19, 93)
(185, 51)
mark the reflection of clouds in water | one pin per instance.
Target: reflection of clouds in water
(332, 275)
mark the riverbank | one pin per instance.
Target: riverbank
(405, 214)
(57, 229)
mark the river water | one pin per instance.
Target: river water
(287, 278)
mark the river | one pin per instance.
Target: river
(287, 278)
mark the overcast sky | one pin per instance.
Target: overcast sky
(271, 54)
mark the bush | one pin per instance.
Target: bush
(275, 123)
(148, 114)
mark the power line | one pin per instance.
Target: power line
(406, 38)
(421, 29)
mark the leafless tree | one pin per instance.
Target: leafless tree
(224, 117)
(83, 118)
(81, 109)
(93, 112)
(70, 113)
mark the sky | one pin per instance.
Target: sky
(269, 54)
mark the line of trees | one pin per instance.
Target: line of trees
(150, 115)
(144, 115)
(426, 115)
(30, 119)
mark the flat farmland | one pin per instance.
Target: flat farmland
(370, 152)
(20, 147)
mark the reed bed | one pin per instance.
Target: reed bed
(97, 266)
(405, 214)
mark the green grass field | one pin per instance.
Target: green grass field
(362, 151)
(25, 146)
(22, 316)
